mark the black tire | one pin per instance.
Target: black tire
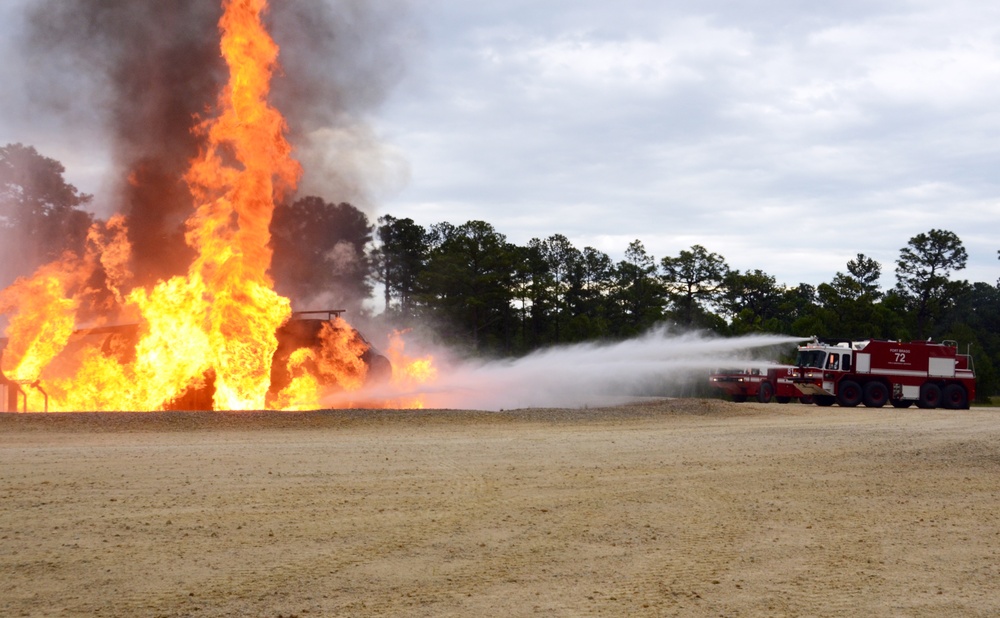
(782, 399)
(739, 398)
(825, 400)
(930, 396)
(876, 394)
(954, 397)
(765, 392)
(901, 403)
(807, 399)
(849, 394)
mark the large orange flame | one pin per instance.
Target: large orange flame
(215, 329)
(220, 318)
(246, 165)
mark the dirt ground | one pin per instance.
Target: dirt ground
(669, 508)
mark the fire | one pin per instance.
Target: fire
(114, 250)
(33, 342)
(246, 165)
(44, 307)
(215, 329)
(408, 372)
(339, 360)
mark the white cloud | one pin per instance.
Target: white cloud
(788, 138)
(628, 66)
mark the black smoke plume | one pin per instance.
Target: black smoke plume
(151, 68)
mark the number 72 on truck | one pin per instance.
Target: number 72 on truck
(871, 371)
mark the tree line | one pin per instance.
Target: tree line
(487, 296)
(495, 297)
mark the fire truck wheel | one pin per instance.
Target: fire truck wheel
(876, 394)
(765, 392)
(825, 400)
(739, 398)
(849, 394)
(807, 399)
(901, 403)
(953, 397)
(930, 396)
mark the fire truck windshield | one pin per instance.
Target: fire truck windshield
(811, 358)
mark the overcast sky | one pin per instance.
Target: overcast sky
(786, 136)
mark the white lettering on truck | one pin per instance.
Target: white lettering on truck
(900, 354)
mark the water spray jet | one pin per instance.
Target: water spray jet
(659, 363)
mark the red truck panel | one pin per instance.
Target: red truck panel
(876, 372)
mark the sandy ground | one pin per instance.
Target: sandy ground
(671, 508)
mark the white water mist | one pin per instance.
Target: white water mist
(589, 374)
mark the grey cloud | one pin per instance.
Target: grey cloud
(801, 124)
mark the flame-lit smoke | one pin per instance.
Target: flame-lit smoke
(214, 328)
(129, 76)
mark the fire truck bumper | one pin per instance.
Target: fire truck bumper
(732, 386)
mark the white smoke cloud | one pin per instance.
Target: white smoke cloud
(350, 163)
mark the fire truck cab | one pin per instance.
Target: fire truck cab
(876, 372)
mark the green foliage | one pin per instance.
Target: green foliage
(41, 214)
(637, 295)
(556, 261)
(592, 283)
(922, 277)
(398, 261)
(976, 322)
(321, 248)
(693, 281)
(865, 273)
(850, 301)
(468, 284)
(752, 301)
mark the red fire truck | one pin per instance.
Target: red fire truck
(877, 372)
(760, 383)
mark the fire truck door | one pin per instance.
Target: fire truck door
(941, 367)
